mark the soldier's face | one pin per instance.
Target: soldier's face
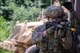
(54, 20)
(51, 19)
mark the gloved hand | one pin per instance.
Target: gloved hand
(50, 30)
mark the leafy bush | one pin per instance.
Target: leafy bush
(3, 28)
(5, 51)
(5, 31)
(22, 13)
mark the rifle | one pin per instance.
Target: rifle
(57, 38)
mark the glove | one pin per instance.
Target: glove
(50, 31)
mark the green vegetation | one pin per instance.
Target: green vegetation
(3, 28)
(13, 10)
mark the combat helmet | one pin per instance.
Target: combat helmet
(54, 11)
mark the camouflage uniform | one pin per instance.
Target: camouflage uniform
(46, 43)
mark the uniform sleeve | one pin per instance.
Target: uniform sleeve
(38, 34)
(37, 37)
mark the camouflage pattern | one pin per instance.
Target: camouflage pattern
(54, 12)
(46, 44)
